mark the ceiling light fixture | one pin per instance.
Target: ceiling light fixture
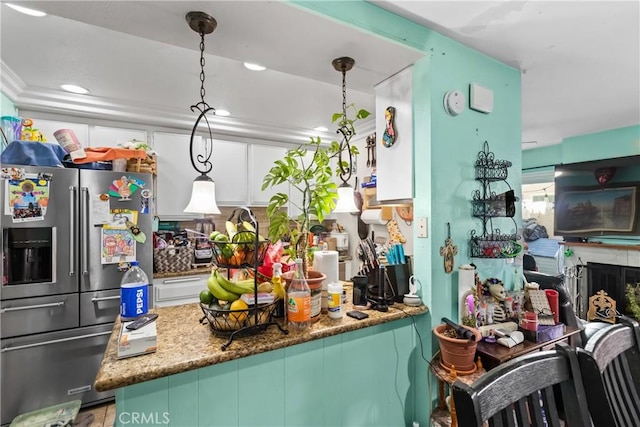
(321, 129)
(203, 192)
(254, 67)
(346, 202)
(75, 89)
(222, 113)
(26, 10)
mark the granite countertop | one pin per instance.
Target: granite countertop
(184, 344)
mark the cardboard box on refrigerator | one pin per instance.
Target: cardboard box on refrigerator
(140, 341)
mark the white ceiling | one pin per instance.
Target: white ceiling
(580, 60)
(138, 58)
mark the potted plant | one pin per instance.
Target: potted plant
(313, 179)
(456, 350)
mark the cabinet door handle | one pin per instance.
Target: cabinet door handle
(30, 307)
(97, 299)
(37, 344)
(182, 280)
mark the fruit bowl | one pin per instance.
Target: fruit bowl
(241, 251)
(221, 320)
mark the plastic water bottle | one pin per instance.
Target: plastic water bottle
(134, 293)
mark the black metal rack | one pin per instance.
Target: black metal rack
(487, 204)
(255, 319)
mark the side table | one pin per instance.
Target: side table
(494, 354)
(441, 417)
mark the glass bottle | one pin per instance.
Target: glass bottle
(298, 300)
(278, 289)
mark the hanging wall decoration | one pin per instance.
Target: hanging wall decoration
(448, 251)
(390, 135)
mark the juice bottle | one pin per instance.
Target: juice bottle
(298, 300)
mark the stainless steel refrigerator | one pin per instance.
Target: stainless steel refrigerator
(59, 297)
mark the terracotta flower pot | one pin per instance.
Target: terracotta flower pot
(314, 280)
(457, 352)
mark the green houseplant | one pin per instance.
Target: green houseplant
(313, 179)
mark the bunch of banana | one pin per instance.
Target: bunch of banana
(226, 290)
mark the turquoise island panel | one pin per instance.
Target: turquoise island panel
(360, 378)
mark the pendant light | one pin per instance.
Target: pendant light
(203, 192)
(346, 202)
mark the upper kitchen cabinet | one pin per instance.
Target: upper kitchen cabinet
(261, 159)
(175, 174)
(229, 172)
(394, 131)
(48, 127)
(102, 136)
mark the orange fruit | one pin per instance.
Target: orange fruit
(238, 316)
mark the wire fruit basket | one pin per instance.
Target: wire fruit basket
(242, 251)
(225, 321)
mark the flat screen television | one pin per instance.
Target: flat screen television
(598, 198)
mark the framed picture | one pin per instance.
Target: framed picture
(597, 210)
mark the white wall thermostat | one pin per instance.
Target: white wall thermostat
(454, 102)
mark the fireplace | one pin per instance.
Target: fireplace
(595, 266)
(612, 279)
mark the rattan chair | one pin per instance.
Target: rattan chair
(610, 368)
(536, 389)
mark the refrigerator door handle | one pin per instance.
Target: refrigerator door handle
(37, 344)
(72, 233)
(30, 307)
(97, 299)
(84, 215)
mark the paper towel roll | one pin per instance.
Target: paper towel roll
(466, 280)
(372, 216)
(327, 263)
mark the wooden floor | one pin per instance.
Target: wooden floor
(103, 416)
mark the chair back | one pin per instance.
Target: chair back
(610, 368)
(536, 389)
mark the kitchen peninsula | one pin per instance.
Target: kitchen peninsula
(338, 372)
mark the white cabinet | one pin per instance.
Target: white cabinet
(175, 174)
(261, 160)
(229, 172)
(178, 290)
(395, 164)
(48, 127)
(102, 136)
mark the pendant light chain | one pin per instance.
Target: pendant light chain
(202, 62)
(347, 134)
(202, 162)
(344, 94)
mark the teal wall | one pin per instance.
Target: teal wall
(7, 107)
(445, 149)
(607, 144)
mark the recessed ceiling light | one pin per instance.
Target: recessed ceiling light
(75, 89)
(254, 67)
(321, 129)
(26, 10)
(222, 113)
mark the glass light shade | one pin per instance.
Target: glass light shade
(346, 202)
(203, 196)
